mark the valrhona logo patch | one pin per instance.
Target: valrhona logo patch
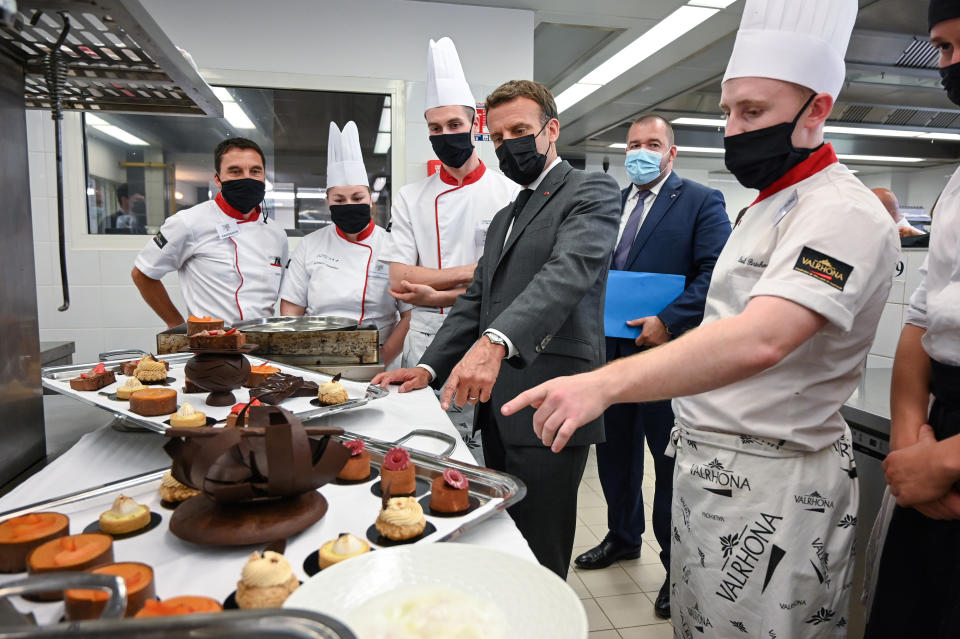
(160, 240)
(723, 479)
(823, 267)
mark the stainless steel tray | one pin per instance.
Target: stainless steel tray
(305, 323)
(56, 379)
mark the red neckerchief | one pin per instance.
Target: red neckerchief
(816, 162)
(234, 213)
(364, 234)
(470, 178)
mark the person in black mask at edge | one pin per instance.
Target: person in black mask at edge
(765, 494)
(533, 310)
(916, 592)
(228, 255)
(337, 270)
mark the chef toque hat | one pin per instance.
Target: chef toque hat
(344, 157)
(799, 42)
(446, 85)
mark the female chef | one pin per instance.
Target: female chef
(336, 270)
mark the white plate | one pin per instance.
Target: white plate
(534, 601)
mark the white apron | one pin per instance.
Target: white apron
(762, 537)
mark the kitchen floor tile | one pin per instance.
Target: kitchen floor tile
(612, 580)
(576, 584)
(624, 611)
(654, 631)
(605, 634)
(596, 620)
(649, 577)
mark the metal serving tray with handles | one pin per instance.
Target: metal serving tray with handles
(57, 378)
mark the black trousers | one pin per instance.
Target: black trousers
(620, 466)
(547, 516)
(917, 592)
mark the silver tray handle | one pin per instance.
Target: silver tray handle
(109, 355)
(116, 604)
(422, 432)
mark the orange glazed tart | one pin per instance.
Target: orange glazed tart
(186, 605)
(259, 373)
(206, 323)
(151, 402)
(20, 535)
(73, 553)
(89, 604)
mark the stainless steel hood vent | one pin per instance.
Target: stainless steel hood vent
(919, 54)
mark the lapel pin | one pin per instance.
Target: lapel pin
(673, 195)
(546, 192)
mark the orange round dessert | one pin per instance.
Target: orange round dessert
(397, 473)
(20, 535)
(186, 605)
(152, 402)
(73, 553)
(89, 604)
(450, 492)
(357, 467)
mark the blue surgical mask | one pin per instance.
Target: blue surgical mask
(643, 166)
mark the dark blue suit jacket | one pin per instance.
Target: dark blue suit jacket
(682, 234)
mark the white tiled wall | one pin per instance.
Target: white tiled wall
(894, 313)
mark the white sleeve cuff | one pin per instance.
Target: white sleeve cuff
(429, 369)
(511, 349)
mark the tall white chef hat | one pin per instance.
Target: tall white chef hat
(446, 85)
(344, 157)
(800, 42)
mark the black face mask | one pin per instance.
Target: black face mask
(350, 218)
(520, 160)
(759, 158)
(950, 79)
(453, 149)
(243, 194)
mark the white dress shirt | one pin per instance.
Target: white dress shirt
(632, 202)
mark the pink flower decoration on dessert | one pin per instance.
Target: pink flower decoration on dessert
(356, 446)
(396, 459)
(455, 479)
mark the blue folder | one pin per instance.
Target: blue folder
(633, 295)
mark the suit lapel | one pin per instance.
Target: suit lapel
(540, 197)
(665, 199)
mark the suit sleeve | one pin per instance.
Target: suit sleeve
(580, 256)
(712, 228)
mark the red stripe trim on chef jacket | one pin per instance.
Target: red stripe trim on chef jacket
(816, 162)
(364, 234)
(234, 213)
(446, 178)
(236, 264)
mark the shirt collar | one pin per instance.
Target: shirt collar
(364, 234)
(234, 213)
(654, 190)
(536, 183)
(470, 177)
(815, 162)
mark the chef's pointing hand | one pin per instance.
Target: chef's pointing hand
(563, 405)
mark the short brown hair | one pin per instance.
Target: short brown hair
(647, 117)
(509, 91)
(236, 143)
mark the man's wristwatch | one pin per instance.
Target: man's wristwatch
(496, 339)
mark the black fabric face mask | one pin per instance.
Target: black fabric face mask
(453, 149)
(520, 160)
(350, 218)
(243, 194)
(759, 158)
(950, 79)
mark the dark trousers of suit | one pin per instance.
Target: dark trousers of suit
(547, 516)
(620, 466)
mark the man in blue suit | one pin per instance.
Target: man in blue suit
(668, 225)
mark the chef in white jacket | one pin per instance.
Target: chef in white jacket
(338, 270)
(228, 255)
(765, 490)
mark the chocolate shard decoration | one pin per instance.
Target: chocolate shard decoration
(281, 386)
(274, 457)
(336, 378)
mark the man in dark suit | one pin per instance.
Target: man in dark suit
(668, 225)
(535, 302)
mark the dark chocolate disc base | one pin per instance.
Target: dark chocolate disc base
(210, 421)
(311, 565)
(160, 382)
(375, 537)
(230, 603)
(170, 505)
(374, 472)
(317, 402)
(113, 396)
(155, 519)
(203, 521)
(424, 502)
(422, 488)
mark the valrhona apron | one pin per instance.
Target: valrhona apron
(762, 537)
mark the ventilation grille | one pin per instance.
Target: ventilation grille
(919, 55)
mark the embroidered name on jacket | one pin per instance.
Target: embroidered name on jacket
(823, 267)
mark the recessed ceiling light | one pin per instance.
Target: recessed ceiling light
(101, 125)
(617, 145)
(879, 158)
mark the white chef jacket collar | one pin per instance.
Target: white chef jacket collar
(364, 234)
(234, 213)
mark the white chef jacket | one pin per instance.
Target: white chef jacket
(229, 268)
(817, 237)
(935, 305)
(332, 275)
(438, 223)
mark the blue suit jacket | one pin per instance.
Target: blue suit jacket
(682, 234)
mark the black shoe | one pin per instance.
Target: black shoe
(608, 552)
(661, 607)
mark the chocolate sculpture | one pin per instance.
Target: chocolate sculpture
(281, 386)
(259, 482)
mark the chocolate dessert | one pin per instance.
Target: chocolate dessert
(281, 386)
(128, 368)
(218, 373)
(217, 339)
(205, 323)
(94, 379)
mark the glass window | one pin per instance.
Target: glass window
(141, 169)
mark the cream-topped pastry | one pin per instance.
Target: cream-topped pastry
(125, 516)
(343, 547)
(187, 417)
(401, 518)
(331, 393)
(173, 491)
(130, 386)
(266, 581)
(150, 370)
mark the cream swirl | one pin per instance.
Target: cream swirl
(123, 506)
(186, 410)
(270, 569)
(402, 511)
(329, 388)
(347, 544)
(133, 384)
